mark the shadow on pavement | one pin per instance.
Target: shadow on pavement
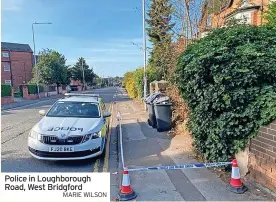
(141, 146)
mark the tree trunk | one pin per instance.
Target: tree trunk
(188, 17)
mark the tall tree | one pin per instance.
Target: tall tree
(51, 68)
(160, 33)
(78, 69)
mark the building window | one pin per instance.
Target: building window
(6, 55)
(7, 68)
(8, 82)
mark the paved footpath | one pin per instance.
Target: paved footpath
(145, 147)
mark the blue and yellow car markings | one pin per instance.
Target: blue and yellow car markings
(101, 163)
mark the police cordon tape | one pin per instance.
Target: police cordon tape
(172, 167)
(184, 166)
(127, 193)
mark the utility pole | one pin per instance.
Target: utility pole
(83, 73)
(145, 51)
(36, 72)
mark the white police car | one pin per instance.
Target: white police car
(74, 128)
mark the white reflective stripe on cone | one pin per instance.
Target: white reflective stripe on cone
(235, 173)
(126, 181)
(118, 115)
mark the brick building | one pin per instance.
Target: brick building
(248, 11)
(16, 63)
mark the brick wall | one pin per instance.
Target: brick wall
(8, 99)
(43, 94)
(254, 18)
(262, 158)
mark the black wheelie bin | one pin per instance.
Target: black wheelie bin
(163, 113)
(150, 107)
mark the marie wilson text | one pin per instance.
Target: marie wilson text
(85, 194)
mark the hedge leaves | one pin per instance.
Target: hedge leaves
(228, 80)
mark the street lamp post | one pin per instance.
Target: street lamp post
(36, 72)
(145, 51)
(83, 74)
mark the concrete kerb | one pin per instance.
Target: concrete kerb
(120, 165)
(126, 193)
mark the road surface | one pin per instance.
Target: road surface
(15, 127)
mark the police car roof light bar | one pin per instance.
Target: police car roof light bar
(80, 94)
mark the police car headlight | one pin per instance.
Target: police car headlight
(91, 136)
(96, 135)
(35, 135)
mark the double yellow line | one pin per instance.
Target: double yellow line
(106, 156)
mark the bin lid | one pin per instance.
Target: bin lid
(164, 99)
(163, 104)
(146, 98)
(152, 97)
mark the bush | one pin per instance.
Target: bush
(6, 90)
(32, 89)
(134, 81)
(18, 93)
(41, 88)
(228, 80)
(139, 81)
(130, 86)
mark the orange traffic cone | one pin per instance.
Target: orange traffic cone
(126, 192)
(236, 184)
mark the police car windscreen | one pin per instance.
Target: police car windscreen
(75, 109)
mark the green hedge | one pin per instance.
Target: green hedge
(41, 88)
(228, 80)
(32, 88)
(134, 81)
(139, 81)
(6, 90)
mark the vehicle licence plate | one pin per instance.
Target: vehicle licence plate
(61, 149)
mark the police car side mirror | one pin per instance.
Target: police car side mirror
(106, 114)
(42, 112)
